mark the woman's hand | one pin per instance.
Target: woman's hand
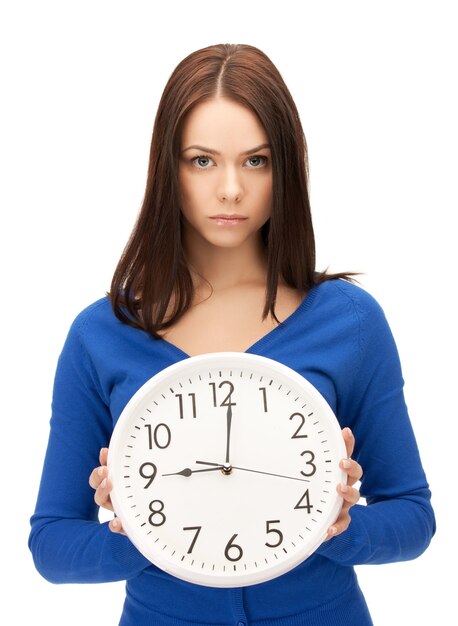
(350, 495)
(99, 481)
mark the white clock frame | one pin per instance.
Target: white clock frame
(130, 495)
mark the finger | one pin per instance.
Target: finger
(353, 470)
(97, 475)
(102, 495)
(342, 522)
(349, 441)
(103, 456)
(115, 525)
(349, 494)
(340, 525)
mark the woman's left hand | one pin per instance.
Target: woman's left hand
(349, 494)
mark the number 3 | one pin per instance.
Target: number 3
(309, 462)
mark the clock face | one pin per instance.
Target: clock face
(224, 469)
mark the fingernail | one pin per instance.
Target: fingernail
(346, 463)
(349, 430)
(343, 488)
(100, 471)
(332, 530)
(103, 484)
(115, 523)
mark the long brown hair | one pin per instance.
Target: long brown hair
(153, 266)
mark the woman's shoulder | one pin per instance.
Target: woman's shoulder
(339, 292)
(95, 311)
(353, 311)
(95, 320)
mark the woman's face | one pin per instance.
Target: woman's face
(225, 170)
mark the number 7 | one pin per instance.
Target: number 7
(198, 528)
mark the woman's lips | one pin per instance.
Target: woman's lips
(228, 220)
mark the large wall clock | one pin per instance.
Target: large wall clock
(224, 469)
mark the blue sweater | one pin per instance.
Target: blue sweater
(339, 339)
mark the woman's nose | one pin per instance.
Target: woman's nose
(230, 186)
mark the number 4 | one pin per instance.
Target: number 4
(307, 506)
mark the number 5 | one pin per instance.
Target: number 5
(274, 530)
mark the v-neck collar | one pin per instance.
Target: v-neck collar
(263, 341)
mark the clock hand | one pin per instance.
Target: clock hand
(188, 472)
(245, 469)
(229, 423)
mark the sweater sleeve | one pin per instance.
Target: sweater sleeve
(397, 522)
(68, 543)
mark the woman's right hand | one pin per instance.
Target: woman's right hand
(99, 481)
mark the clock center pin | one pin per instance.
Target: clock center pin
(226, 469)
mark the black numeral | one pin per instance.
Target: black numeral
(274, 530)
(233, 546)
(306, 506)
(180, 403)
(198, 529)
(264, 398)
(227, 399)
(310, 463)
(156, 512)
(149, 471)
(153, 436)
(296, 434)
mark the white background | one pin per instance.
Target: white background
(375, 85)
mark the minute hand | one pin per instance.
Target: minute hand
(228, 430)
(246, 469)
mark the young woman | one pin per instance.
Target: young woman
(222, 258)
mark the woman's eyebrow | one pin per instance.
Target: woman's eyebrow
(212, 151)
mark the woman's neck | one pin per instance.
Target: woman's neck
(225, 268)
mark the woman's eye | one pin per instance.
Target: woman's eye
(197, 161)
(256, 158)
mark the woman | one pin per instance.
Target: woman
(222, 258)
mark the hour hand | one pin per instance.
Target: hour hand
(188, 472)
